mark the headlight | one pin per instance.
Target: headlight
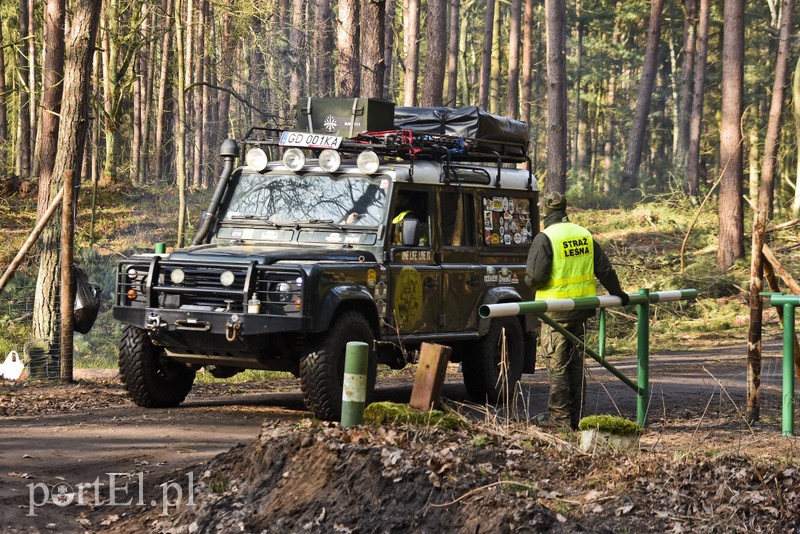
(227, 278)
(287, 291)
(177, 276)
(368, 162)
(256, 159)
(133, 274)
(294, 159)
(330, 160)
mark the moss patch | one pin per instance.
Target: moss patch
(610, 424)
(390, 413)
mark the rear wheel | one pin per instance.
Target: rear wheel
(322, 367)
(152, 379)
(493, 369)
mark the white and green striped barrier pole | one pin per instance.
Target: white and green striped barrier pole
(789, 303)
(354, 387)
(643, 299)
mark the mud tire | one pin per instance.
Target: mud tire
(151, 379)
(322, 366)
(482, 367)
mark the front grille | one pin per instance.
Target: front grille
(279, 289)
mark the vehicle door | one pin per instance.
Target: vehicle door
(462, 279)
(415, 278)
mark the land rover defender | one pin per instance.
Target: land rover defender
(323, 236)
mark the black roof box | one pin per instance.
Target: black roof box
(484, 131)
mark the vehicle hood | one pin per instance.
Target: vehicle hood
(268, 255)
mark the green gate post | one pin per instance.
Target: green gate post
(643, 357)
(354, 387)
(601, 335)
(788, 369)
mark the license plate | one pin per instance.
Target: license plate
(310, 140)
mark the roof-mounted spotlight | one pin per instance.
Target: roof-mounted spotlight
(368, 162)
(256, 159)
(330, 160)
(294, 159)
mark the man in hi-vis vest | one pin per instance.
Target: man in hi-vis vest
(562, 264)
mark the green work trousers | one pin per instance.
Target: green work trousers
(565, 371)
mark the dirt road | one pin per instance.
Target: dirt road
(90, 437)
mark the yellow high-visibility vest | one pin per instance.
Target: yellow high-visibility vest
(572, 275)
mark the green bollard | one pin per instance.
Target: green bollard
(643, 357)
(354, 390)
(161, 248)
(787, 426)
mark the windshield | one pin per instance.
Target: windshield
(310, 198)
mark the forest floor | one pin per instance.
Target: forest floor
(247, 457)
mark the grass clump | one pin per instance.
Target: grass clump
(610, 424)
(391, 413)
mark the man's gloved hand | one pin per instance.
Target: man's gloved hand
(624, 298)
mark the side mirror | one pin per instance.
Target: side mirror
(408, 232)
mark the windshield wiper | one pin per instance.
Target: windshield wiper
(258, 218)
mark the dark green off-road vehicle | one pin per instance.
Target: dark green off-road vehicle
(392, 238)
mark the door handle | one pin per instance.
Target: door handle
(430, 283)
(473, 282)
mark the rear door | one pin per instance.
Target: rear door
(462, 283)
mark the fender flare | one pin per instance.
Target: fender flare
(345, 295)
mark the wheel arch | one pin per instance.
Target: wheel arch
(529, 323)
(347, 298)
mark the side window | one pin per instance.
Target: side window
(411, 205)
(457, 212)
(507, 221)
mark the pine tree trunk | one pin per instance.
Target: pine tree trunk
(180, 142)
(512, 96)
(638, 129)
(527, 62)
(411, 45)
(556, 19)
(347, 42)
(164, 90)
(52, 77)
(3, 104)
(764, 204)
(198, 80)
(731, 223)
(453, 28)
(323, 47)
(497, 58)
(687, 79)
(609, 146)
(389, 74)
(486, 57)
(696, 122)
(373, 33)
(576, 161)
(24, 117)
(297, 47)
(435, 67)
(796, 112)
(71, 142)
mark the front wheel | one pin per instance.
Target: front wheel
(322, 367)
(151, 379)
(493, 369)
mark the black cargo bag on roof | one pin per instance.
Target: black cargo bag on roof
(485, 131)
(87, 301)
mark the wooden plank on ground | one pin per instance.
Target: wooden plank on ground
(429, 379)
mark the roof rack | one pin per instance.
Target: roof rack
(410, 145)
